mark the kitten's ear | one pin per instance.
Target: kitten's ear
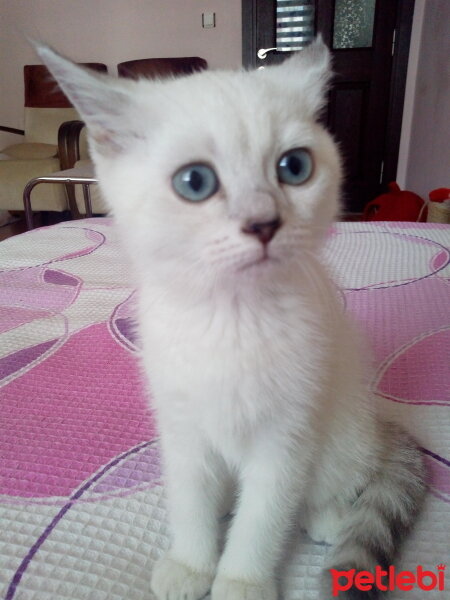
(102, 101)
(308, 72)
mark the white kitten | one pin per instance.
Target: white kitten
(223, 185)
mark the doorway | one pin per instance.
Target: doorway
(369, 41)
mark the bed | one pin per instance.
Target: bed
(82, 505)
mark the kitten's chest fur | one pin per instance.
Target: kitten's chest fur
(228, 368)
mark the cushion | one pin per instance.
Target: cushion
(42, 124)
(32, 150)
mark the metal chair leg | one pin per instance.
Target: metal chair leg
(27, 202)
(64, 177)
(87, 199)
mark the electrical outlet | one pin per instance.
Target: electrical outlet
(208, 20)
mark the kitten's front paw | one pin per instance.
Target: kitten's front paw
(325, 525)
(172, 580)
(236, 589)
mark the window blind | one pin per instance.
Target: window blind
(295, 24)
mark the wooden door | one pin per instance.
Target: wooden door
(369, 41)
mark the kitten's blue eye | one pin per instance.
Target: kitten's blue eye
(195, 182)
(295, 167)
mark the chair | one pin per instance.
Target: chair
(151, 68)
(46, 108)
(161, 67)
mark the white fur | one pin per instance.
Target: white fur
(255, 373)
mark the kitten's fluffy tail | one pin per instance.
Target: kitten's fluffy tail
(380, 518)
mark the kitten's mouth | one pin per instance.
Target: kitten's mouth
(262, 261)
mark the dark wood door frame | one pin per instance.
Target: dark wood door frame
(403, 26)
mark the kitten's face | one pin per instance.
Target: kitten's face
(217, 178)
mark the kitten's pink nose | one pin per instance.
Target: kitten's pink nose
(263, 231)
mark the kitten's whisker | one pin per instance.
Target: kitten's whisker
(219, 241)
(219, 251)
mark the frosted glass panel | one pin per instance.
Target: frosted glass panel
(295, 24)
(353, 23)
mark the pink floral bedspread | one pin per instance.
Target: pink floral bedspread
(82, 506)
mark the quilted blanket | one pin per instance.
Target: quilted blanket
(82, 506)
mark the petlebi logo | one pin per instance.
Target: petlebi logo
(388, 580)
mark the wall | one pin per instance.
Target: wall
(424, 161)
(110, 31)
